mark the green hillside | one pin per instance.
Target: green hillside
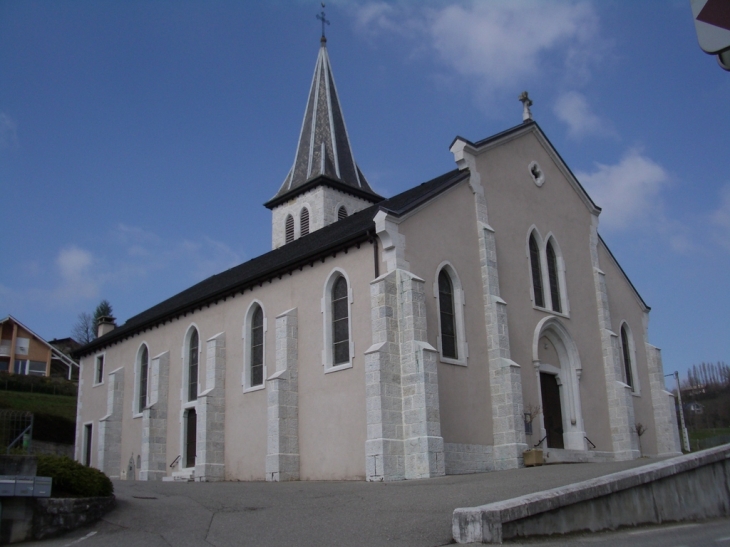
(40, 403)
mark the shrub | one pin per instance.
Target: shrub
(55, 429)
(71, 479)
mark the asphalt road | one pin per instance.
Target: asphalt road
(407, 513)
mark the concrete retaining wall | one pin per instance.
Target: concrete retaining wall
(694, 486)
(52, 516)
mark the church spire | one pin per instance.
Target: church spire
(324, 150)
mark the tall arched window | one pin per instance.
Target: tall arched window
(536, 272)
(626, 351)
(193, 350)
(341, 212)
(304, 222)
(552, 262)
(446, 309)
(144, 361)
(289, 229)
(257, 347)
(340, 323)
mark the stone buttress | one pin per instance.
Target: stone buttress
(282, 446)
(505, 379)
(211, 414)
(663, 403)
(620, 400)
(403, 420)
(109, 458)
(154, 421)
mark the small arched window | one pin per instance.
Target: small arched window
(257, 347)
(340, 323)
(289, 229)
(144, 361)
(193, 345)
(446, 309)
(626, 351)
(304, 222)
(536, 272)
(552, 262)
(341, 212)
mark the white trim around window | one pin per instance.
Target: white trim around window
(562, 287)
(631, 350)
(136, 410)
(327, 323)
(459, 301)
(247, 335)
(99, 362)
(185, 357)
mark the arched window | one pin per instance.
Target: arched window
(340, 323)
(536, 272)
(552, 263)
(304, 222)
(193, 352)
(626, 351)
(341, 212)
(257, 347)
(448, 323)
(289, 229)
(144, 361)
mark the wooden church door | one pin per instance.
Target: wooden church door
(551, 411)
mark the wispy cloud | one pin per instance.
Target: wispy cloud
(8, 132)
(573, 109)
(498, 45)
(76, 280)
(628, 191)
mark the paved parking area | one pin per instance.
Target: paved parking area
(408, 513)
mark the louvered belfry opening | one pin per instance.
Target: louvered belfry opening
(304, 222)
(289, 229)
(341, 213)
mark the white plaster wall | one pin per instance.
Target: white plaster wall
(332, 406)
(446, 229)
(625, 306)
(515, 203)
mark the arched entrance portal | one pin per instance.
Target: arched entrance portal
(558, 369)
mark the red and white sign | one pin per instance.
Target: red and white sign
(712, 22)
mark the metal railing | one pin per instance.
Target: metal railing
(16, 431)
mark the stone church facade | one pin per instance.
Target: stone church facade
(443, 330)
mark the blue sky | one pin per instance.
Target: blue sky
(139, 139)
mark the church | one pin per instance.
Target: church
(444, 330)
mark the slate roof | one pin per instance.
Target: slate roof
(352, 231)
(324, 147)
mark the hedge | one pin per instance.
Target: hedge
(71, 479)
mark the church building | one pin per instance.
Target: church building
(444, 330)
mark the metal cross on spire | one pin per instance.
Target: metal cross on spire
(324, 20)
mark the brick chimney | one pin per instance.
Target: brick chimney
(106, 323)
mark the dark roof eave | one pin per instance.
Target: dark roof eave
(120, 333)
(325, 181)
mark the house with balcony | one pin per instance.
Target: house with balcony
(22, 351)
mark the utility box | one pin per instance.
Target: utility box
(7, 485)
(42, 487)
(24, 486)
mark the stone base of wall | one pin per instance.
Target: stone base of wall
(462, 459)
(53, 516)
(56, 449)
(558, 455)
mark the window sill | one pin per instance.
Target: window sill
(137, 415)
(551, 312)
(636, 393)
(337, 368)
(254, 388)
(450, 361)
(99, 384)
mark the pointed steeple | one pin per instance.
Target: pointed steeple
(324, 154)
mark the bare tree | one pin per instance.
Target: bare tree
(640, 429)
(84, 331)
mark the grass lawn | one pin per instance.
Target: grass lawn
(699, 434)
(57, 405)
